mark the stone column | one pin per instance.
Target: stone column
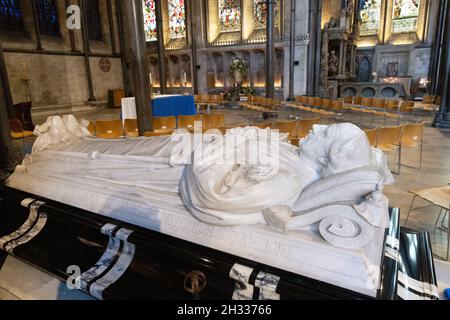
(437, 44)
(442, 119)
(36, 27)
(341, 58)
(251, 76)
(161, 48)
(315, 36)
(127, 83)
(6, 146)
(292, 52)
(192, 31)
(86, 50)
(136, 52)
(270, 49)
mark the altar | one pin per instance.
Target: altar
(385, 90)
(173, 105)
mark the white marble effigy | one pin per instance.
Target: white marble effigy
(296, 214)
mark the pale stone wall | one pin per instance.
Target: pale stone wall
(59, 77)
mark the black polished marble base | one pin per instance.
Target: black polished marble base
(110, 259)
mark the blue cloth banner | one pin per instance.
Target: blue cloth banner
(174, 106)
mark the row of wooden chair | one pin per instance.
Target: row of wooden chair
(258, 103)
(208, 101)
(390, 105)
(297, 129)
(318, 105)
(111, 129)
(395, 138)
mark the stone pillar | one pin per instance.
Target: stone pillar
(192, 31)
(36, 26)
(136, 52)
(73, 46)
(442, 119)
(315, 36)
(270, 49)
(341, 58)
(86, 50)
(112, 31)
(437, 44)
(292, 52)
(161, 48)
(4, 80)
(6, 145)
(127, 84)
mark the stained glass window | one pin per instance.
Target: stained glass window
(260, 13)
(177, 19)
(229, 15)
(47, 18)
(370, 12)
(150, 20)
(405, 15)
(93, 20)
(10, 16)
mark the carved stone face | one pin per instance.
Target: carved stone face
(336, 148)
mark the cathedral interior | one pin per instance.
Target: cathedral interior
(374, 63)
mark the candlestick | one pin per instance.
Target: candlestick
(151, 80)
(185, 79)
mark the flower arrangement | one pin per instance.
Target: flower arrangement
(238, 65)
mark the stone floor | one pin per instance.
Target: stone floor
(435, 169)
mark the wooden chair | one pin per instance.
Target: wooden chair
(412, 137)
(213, 121)
(130, 127)
(436, 196)
(390, 139)
(305, 126)
(379, 103)
(357, 101)
(262, 125)
(290, 127)
(91, 128)
(164, 123)
(317, 102)
(392, 105)
(407, 106)
(372, 136)
(428, 99)
(348, 100)
(215, 101)
(187, 122)
(17, 133)
(366, 102)
(158, 133)
(110, 129)
(337, 106)
(327, 104)
(310, 101)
